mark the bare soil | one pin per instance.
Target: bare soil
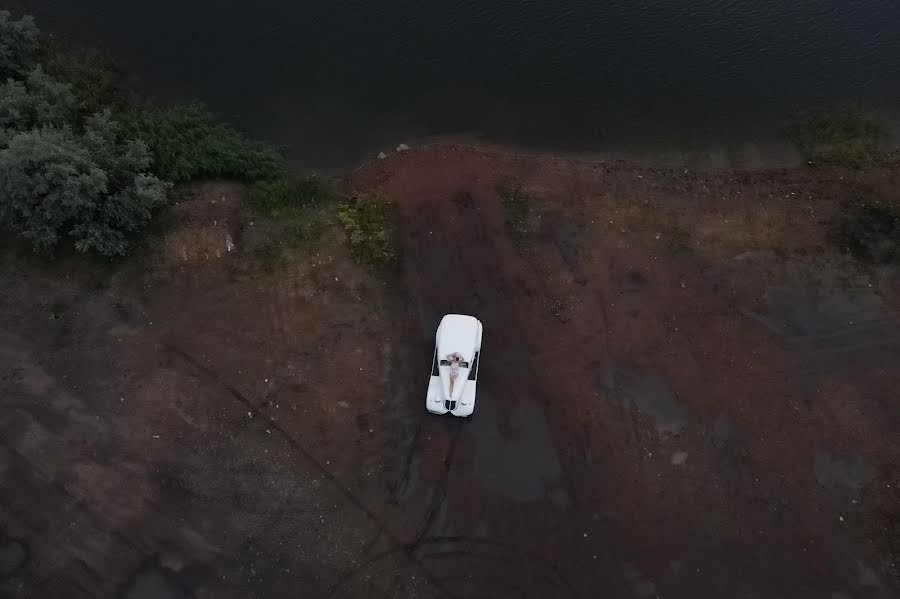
(686, 391)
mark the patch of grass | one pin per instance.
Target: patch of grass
(294, 206)
(297, 233)
(282, 196)
(268, 256)
(870, 231)
(515, 203)
(370, 230)
(842, 136)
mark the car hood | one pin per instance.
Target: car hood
(458, 334)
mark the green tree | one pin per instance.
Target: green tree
(93, 189)
(91, 75)
(38, 101)
(20, 46)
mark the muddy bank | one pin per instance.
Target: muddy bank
(687, 390)
(715, 375)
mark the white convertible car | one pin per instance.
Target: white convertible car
(454, 370)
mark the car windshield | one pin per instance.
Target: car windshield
(462, 363)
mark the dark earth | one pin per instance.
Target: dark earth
(688, 390)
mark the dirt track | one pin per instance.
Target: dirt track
(684, 393)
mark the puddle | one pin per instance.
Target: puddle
(833, 319)
(153, 581)
(851, 473)
(724, 437)
(648, 392)
(640, 586)
(564, 234)
(867, 576)
(724, 440)
(522, 464)
(13, 557)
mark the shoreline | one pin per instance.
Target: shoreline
(768, 154)
(747, 145)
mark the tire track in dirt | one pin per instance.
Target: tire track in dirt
(383, 528)
(474, 560)
(74, 548)
(458, 258)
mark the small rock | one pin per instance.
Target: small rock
(343, 404)
(679, 458)
(403, 148)
(381, 155)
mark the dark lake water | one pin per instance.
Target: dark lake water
(339, 80)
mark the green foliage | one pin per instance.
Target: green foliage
(515, 204)
(92, 189)
(187, 143)
(20, 46)
(295, 207)
(370, 230)
(269, 256)
(81, 162)
(842, 136)
(298, 232)
(273, 198)
(36, 102)
(92, 77)
(871, 232)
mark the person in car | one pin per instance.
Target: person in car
(455, 358)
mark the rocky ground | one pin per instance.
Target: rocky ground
(687, 391)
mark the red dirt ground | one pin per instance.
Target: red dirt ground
(685, 392)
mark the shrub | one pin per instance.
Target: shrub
(370, 230)
(841, 136)
(187, 143)
(92, 189)
(272, 198)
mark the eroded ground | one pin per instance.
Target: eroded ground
(686, 392)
